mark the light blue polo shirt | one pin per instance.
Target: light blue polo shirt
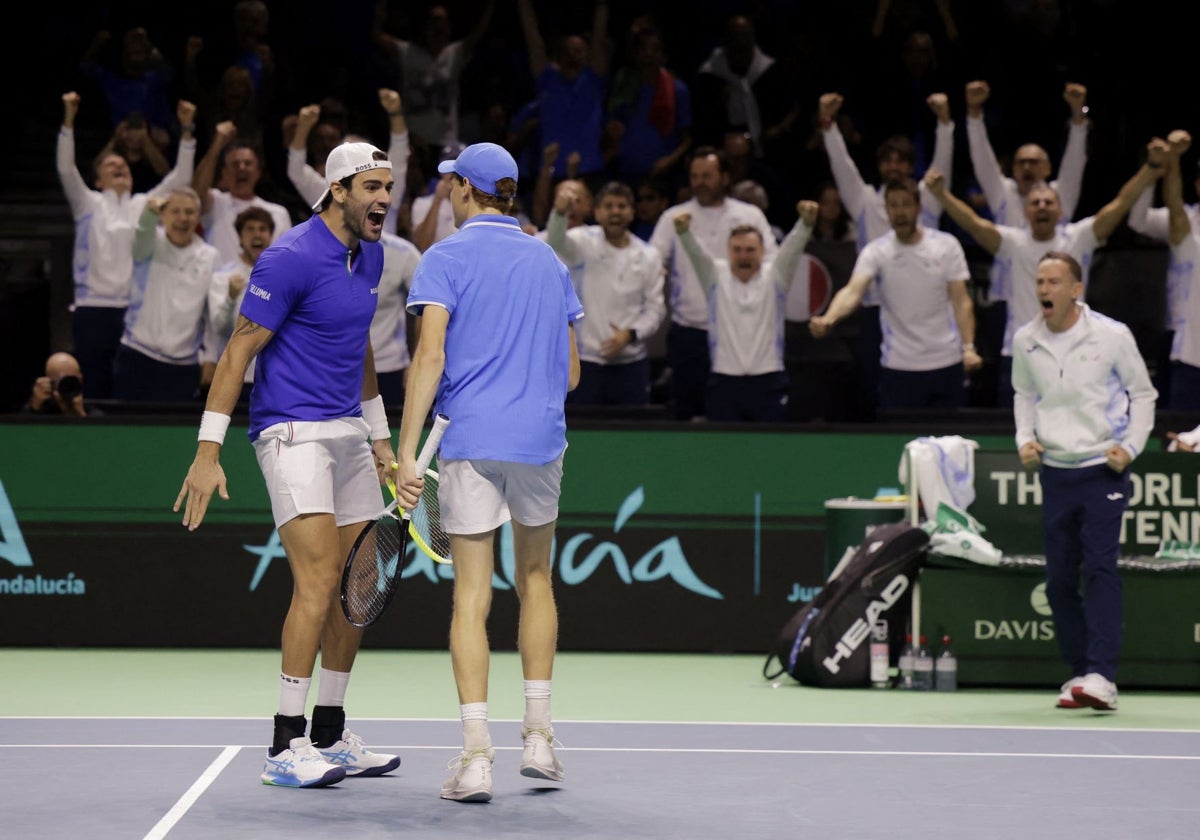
(510, 299)
(318, 299)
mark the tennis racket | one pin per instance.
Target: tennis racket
(425, 520)
(373, 566)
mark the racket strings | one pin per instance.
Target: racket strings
(426, 521)
(373, 572)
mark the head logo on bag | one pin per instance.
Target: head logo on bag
(861, 628)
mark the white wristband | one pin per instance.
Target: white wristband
(213, 426)
(376, 416)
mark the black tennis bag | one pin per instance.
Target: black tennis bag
(826, 644)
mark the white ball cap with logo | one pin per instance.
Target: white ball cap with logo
(350, 159)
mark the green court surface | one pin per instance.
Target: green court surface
(87, 682)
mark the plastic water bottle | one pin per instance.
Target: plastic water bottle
(880, 655)
(906, 662)
(945, 670)
(923, 667)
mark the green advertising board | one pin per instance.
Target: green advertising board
(673, 539)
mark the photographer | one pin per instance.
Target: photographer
(60, 391)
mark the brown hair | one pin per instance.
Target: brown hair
(905, 185)
(506, 194)
(1063, 257)
(254, 214)
(898, 145)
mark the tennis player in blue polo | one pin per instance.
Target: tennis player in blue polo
(497, 352)
(321, 435)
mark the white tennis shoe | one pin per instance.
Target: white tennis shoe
(538, 760)
(1096, 691)
(350, 753)
(1066, 700)
(300, 766)
(472, 779)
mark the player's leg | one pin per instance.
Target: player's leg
(537, 635)
(533, 493)
(297, 470)
(473, 562)
(358, 499)
(471, 780)
(472, 504)
(311, 542)
(292, 761)
(537, 641)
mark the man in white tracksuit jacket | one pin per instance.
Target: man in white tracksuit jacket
(1084, 407)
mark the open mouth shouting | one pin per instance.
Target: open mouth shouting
(375, 220)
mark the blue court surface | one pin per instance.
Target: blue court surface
(817, 774)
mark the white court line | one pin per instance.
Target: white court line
(715, 723)
(193, 793)
(875, 753)
(680, 750)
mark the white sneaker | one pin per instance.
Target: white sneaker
(1096, 691)
(538, 760)
(301, 765)
(1066, 700)
(472, 779)
(350, 753)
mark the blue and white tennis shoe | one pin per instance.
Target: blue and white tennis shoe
(301, 766)
(350, 753)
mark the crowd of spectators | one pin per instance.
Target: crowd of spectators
(786, 102)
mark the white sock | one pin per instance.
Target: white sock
(331, 687)
(537, 704)
(475, 726)
(293, 695)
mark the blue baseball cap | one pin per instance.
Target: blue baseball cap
(483, 164)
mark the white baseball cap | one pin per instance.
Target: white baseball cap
(349, 159)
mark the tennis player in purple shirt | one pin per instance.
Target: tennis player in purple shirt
(321, 435)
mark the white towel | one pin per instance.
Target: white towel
(967, 546)
(943, 470)
(1191, 438)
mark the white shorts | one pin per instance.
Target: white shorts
(320, 466)
(478, 495)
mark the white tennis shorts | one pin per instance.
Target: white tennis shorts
(320, 466)
(478, 495)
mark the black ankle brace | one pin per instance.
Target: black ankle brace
(287, 727)
(328, 723)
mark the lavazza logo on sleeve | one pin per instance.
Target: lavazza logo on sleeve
(14, 550)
